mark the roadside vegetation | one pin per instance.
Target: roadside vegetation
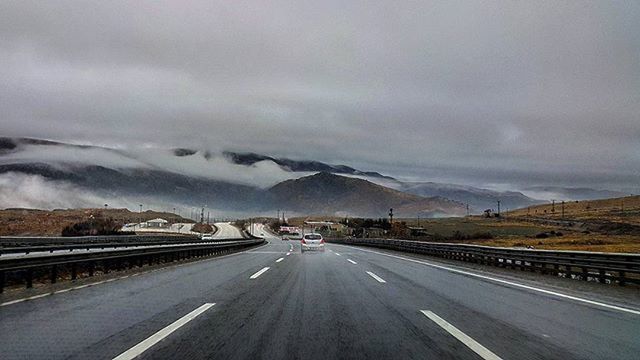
(202, 228)
(32, 222)
(94, 227)
(609, 225)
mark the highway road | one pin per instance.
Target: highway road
(226, 231)
(272, 302)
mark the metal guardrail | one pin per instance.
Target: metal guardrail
(54, 260)
(582, 265)
(15, 241)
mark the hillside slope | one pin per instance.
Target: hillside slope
(326, 193)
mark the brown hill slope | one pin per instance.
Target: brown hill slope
(330, 194)
(620, 210)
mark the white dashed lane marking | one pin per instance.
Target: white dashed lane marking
(378, 278)
(475, 346)
(262, 271)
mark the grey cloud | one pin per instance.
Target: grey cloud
(477, 92)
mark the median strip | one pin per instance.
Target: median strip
(378, 278)
(475, 346)
(157, 337)
(255, 276)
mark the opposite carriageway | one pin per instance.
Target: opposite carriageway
(88, 255)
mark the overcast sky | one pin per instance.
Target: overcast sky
(481, 92)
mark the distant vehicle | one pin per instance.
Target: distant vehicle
(206, 237)
(292, 236)
(312, 242)
(261, 234)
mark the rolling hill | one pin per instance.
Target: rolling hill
(330, 194)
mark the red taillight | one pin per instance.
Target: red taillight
(302, 241)
(321, 241)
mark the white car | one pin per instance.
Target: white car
(312, 242)
(292, 236)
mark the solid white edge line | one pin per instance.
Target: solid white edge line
(511, 283)
(158, 336)
(378, 278)
(475, 346)
(262, 271)
(353, 262)
(279, 260)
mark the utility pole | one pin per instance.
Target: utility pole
(391, 216)
(467, 210)
(278, 216)
(202, 215)
(553, 206)
(208, 213)
(562, 204)
(498, 208)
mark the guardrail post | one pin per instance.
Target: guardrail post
(621, 280)
(29, 278)
(54, 273)
(1, 281)
(74, 271)
(92, 265)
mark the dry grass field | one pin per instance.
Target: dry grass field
(623, 210)
(610, 225)
(30, 222)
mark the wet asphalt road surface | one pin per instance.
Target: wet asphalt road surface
(347, 302)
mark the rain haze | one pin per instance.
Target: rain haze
(318, 180)
(498, 94)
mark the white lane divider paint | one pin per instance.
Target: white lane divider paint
(17, 301)
(255, 276)
(378, 278)
(511, 283)
(353, 262)
(279, 260)
(157, 337)
(475, 346)
(288, 253)
(337, 254)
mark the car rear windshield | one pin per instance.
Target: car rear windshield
(313, 237)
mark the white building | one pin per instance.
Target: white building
(157, 223)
